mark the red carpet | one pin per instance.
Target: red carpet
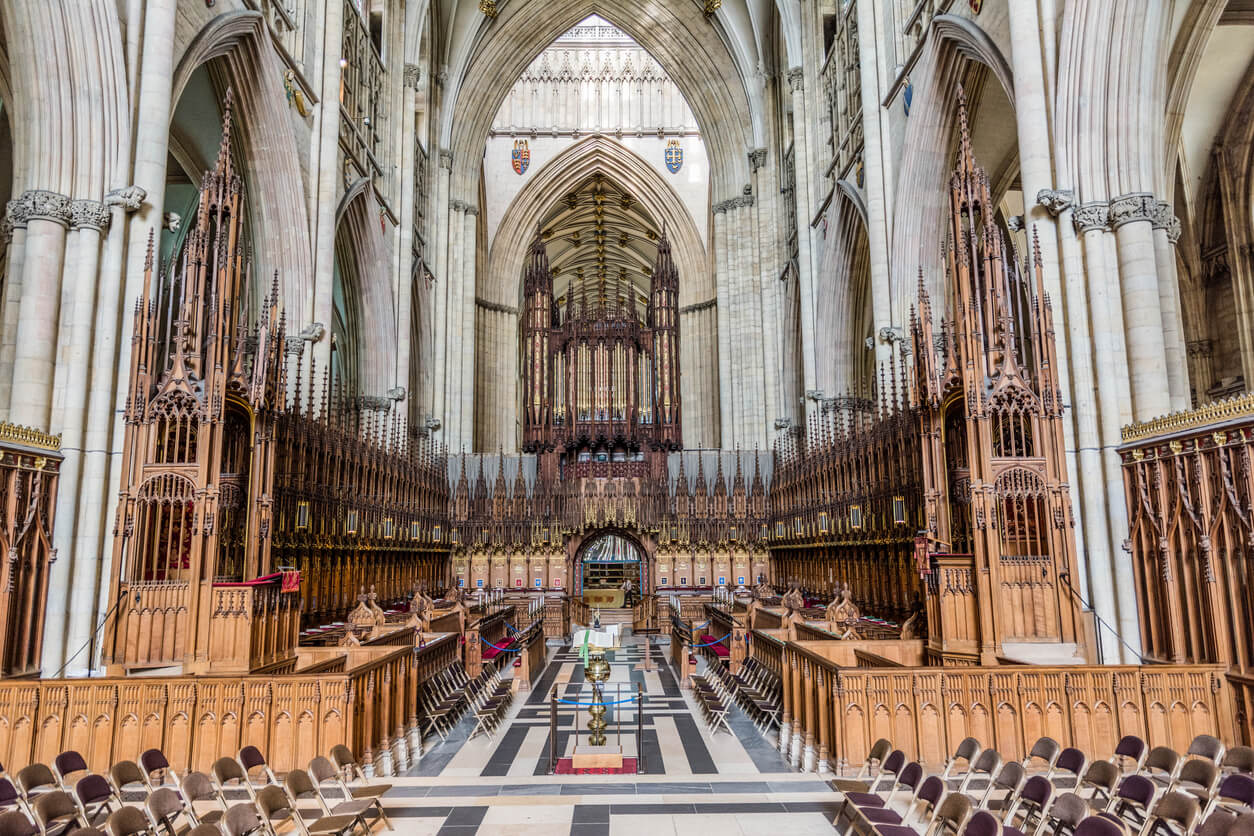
(564, 767)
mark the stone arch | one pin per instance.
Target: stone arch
(243, 60)
(77, 145)
(579, 544)
(499, 287)
(960, 53)
(678, 37)
(501, 283)
(843, 362)
(362, 257)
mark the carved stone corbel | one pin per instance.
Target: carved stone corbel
(129, 198)
(1055, 201)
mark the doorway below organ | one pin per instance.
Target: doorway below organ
(605, 562)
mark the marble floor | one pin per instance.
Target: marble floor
(692, 782)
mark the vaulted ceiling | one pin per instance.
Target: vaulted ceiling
(600, 239)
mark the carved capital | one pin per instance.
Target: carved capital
(40, 204)
(722, 206)
(1202, 349)
(796, 79)
(295, 346)
(1014, 223)
(92, 214)
(129, 198)
(1055, 201)
(412, 76)
(1089, 216)
(457, 205)
(379, 403)
(446, 159)
(1166, 219)
(1131, 208)
(892, 334)
(757, 158)
(471, 209)
(397, 393)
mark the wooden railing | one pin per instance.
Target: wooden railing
(644, 615)
(371, 707)
(833, 714)
(557, 618)
(252, 627)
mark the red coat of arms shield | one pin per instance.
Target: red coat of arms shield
(520, 157)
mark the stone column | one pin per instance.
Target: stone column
(1166, 233)
(468, 383)
(15, 220)
(767, 191)
(721, 281)
(327, 183)
(34, 361)
(877, 192)
(1091, 222)
(89, 220)
(1201, 368)
(453, 328)
(1084, 464)
(803, 172)
(94, 511)
(1131, 216)
(440, 293)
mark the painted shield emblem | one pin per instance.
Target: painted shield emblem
(674, 156)
(520, 157)
(976, 5)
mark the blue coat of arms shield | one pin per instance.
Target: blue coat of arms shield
(674, 156)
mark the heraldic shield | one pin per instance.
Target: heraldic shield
(674, 156)
(520, 157)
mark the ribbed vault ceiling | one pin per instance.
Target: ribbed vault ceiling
(600, 239)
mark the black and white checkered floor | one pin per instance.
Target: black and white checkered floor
(692, 782)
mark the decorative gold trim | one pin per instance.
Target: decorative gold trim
(1239, 406)
(28, 437)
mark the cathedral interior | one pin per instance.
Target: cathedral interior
(669, 416)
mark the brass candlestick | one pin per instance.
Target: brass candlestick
(596, 671)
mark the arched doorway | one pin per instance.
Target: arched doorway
(603, 562)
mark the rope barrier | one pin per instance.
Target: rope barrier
(591, 704)
(502, 649)
(707, 644)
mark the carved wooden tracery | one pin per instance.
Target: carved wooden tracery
(249, 504)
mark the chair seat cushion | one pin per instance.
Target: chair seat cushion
(895, 830)
(879, 815)
(864, 799)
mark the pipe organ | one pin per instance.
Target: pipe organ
(600, 375)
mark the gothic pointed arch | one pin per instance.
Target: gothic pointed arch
(678, 37)
(844, 300)
(236, 47)
(501, 282)
(500, 285)
(365, 306)
(961, 54)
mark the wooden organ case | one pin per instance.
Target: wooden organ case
(997, 506)
(600, 382)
